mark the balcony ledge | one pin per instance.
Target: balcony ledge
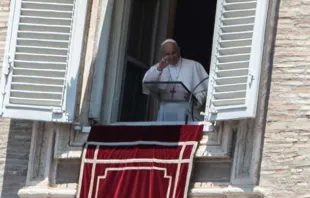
(245, 191)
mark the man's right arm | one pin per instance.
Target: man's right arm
(152, 74)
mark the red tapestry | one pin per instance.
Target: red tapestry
(138, 161)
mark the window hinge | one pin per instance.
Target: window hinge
(9, 65)
(207, 126)
(250, 78)
(83, 129)
(213, 110)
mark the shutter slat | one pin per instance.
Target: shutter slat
(237, 28)
(40, 57)
(229, 102)
(44, 35)
(236, 36)
(231, 80)
(47, 13)
(35, 79)
(39, 64)
(53, 1)
(36, 95)
(233, 1)
(41, 50)
(44, 28)
(235, 43)
(50, 18)
(40, 72)
(232, 72)
(47, 3)
(239, 20)
(239, 13)
(36, 102)
(47, 6)
(235, 50)
(37, 87)
(44, 55)
(45, 21)
(240, 6)
(42, 42)
(235, 65)
(232, 95)
(231, 107)
(234, 58)
(230, 87)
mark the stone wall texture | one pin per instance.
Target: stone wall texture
(15, 135)
(285, 170)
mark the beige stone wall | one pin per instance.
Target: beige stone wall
(285, 170)
(15, 135)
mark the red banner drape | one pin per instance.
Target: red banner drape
(138, 161)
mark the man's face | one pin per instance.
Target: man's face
(171, 53)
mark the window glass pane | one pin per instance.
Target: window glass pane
(141, 29)
(134, 103)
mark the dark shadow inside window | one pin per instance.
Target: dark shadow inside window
(194, 27)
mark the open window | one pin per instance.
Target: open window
(148, 23)
(184, 24)
(225, 36)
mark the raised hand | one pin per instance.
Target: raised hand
(163, 63)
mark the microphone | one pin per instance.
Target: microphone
(190, 99)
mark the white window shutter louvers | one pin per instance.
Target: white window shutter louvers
(42, 59)
(236, 59)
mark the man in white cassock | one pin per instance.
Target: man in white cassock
(173, 67)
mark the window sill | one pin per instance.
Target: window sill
(247, 191)
(208, 126)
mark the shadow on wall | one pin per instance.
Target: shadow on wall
(14, 150)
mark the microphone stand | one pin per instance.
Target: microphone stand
(190, 99)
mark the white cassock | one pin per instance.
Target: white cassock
(191, 73)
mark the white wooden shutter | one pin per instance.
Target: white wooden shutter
(236, 59)
(42, 58)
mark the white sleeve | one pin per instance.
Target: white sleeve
(151, 75)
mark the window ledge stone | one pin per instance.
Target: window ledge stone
(245, 191)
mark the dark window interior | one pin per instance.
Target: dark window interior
(193, 30)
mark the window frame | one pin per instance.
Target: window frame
(117, 52)
(111, 96)
(112, 92)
